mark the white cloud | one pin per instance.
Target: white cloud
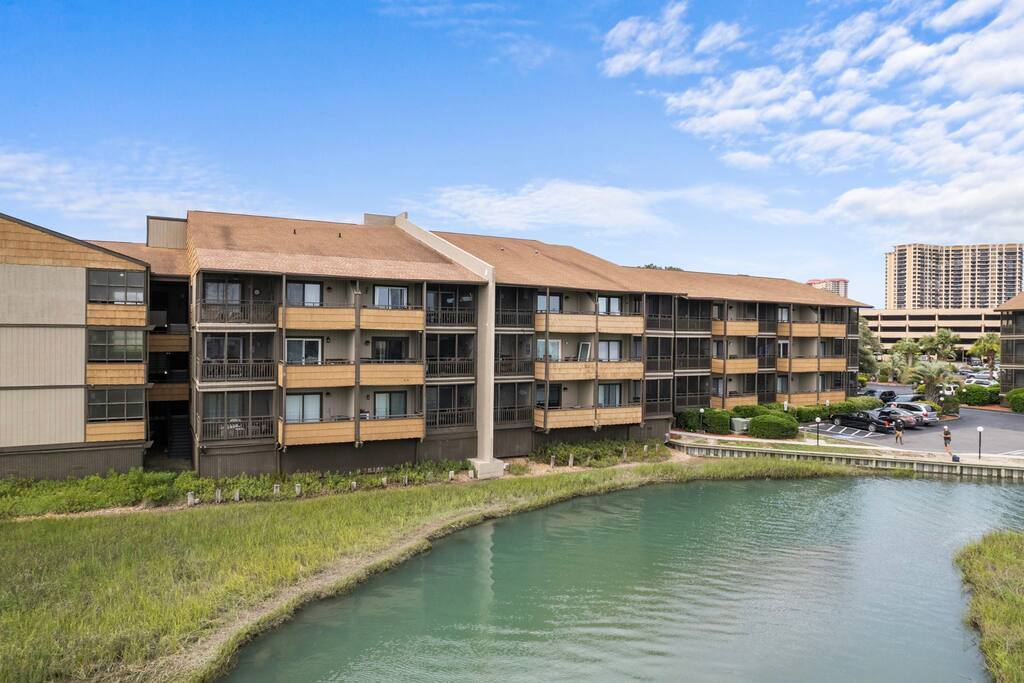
(656, 47)
(961, 12)
(747, 160)
(718, 37)
(133, 180)
(882, 117)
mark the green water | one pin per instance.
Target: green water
(821, 580)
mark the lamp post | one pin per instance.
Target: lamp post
(980, 430)
(701, 411)
(817, 431)
(828, 408)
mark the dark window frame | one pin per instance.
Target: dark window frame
(104, 284)
(102, 339)
(116, 404)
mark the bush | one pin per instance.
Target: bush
(750, 411)
(1015, 399)
(862, 380)
(950, 405)
(771, 426)
(603, 453)
(688, 420)
(863, 403)
(977, 395)
(717, 421)
(993, 393)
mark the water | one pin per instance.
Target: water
(837, 580)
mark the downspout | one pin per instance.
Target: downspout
(357, 362)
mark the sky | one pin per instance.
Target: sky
(792, 139)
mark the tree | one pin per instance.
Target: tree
(908, 350)
(867, 349)
(932, 374)
(941, 345)
(987, 348)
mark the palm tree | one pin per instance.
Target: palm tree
(908, 349)
(987, 348)
(932, 374)
(945, 344)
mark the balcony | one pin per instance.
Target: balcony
(564, 418)
(451, 367)
(767, 326)
(329, 373)
(734, 328)
(572, 323)
(391, 318)
(235, 428)
(513, 367)
(168, 343)
(167, 391)
(336, 430)
(659, 322)
(451, 317)
(391, 427)
(797, 364)
(833, 364)
(317, 317)
(236, 371)
(766, 362)
(620, 415)
(659, 364)
(400, 372)
(1012, 359)
(801, 398)
(560, 371)
(734, 399)
(626, 323)
(734, 365)
(247, 312)
(620, 369)
(689, 324)
(512, 414)
(799, 330)
(450, 417)
(683, 401)
(832, 330)
(658, 407)
(693, 363)
(508, 318)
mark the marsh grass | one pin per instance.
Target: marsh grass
(994, 569)
(85, 598)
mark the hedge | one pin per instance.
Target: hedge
(750, 411)
(599, 453)
(717, 421)
(950, 405)
(771, 426)
(977, 395)
(1015, 399)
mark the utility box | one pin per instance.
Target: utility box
(740, 424)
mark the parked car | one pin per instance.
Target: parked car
(873, 393)
(965, 371)
(924, 413)
(898, 415)
(886, 395)
(949, 389)
(981, 381)
(864, 419)
(906, 398)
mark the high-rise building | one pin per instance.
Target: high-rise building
(957, 276)
(836, 285)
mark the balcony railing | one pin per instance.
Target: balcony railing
(692, 400)
(1011, 359)
(766, 396)
(259, 312)
(451, 316)
(325, 361)
(505, 415)
(450, 417)
(168, 376)
(513, 366)
(244, 371)
(659, 321)
(659, 407)
(767, 326)
(688, 324)
(765, 362)
(227, 428)
(450, 367)
(389, 360)
(658, 364)
(693, 362)
(508, 318)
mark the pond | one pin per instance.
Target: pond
(830, 579)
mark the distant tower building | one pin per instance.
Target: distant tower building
(957, 276)
(836, 285)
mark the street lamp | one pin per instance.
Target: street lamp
(817, 431)
(701, 411)
(980, 430)
(828, 409)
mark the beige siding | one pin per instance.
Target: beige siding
(39, 356)
(39, 295)
(34, 417)
(164, 232)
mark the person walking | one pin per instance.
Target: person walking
(899, 432)
(947, 440)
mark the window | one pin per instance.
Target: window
(609, 305)
(551, 303)
(302, 408)
(389, 404)
(237, 404)
(609, 350)
(117, 286)
(389, 348)
(304, 293)
(509, 395)
(304, 351)
(782, 384)
(390, 297)
(609, 395)
(716, 386)
(783, 315)
(222, 291)
(583, 352)
(783, 349)
(115, 346)
(449, 397)
(112, 405)
(549, 348)
(554, 399)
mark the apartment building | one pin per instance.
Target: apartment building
(836, 285)
(280, 345)
(970, 323)
(1011, 337)
(969, 276)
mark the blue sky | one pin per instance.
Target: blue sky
(790, 139)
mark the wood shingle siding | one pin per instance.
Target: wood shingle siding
(115, 373)
(116, 315)
(132, 430)
(23, 245)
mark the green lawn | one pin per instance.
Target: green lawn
(100, 597)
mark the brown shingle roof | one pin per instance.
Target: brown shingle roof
(162, 261)
(225, 241)
(1014, 304)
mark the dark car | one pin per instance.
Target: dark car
(886, 396)
(906, 398)
(897, 415)
(873, 393)
(865, 419)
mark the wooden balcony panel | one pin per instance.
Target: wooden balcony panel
(389, 374)
(392, 428)
(632, 369)
(796, 364)
(833, 330)
(115, 373)
(800, 330)
(391, 319)
(571, 323)
(801, 398)
(167, 343)
(132, 430)
(317, 317)
(168, 391)
(717, 365)
(308, 433)
(734, 366)
(832, 396)
(566, 370)
(116, 315)
(730, 402)
(833, 364)
(313, 376)
(564, 418)
(620, 324)
(621, 415)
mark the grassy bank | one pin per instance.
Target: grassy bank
(994, 569)
(102, 597)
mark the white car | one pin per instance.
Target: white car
(949, 389)
(982, 382)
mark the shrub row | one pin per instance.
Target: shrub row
(603, 453)
(1015, 398)
(977, 395)
(718, 421)
(773, 426)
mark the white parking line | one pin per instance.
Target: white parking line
(1019, 453)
